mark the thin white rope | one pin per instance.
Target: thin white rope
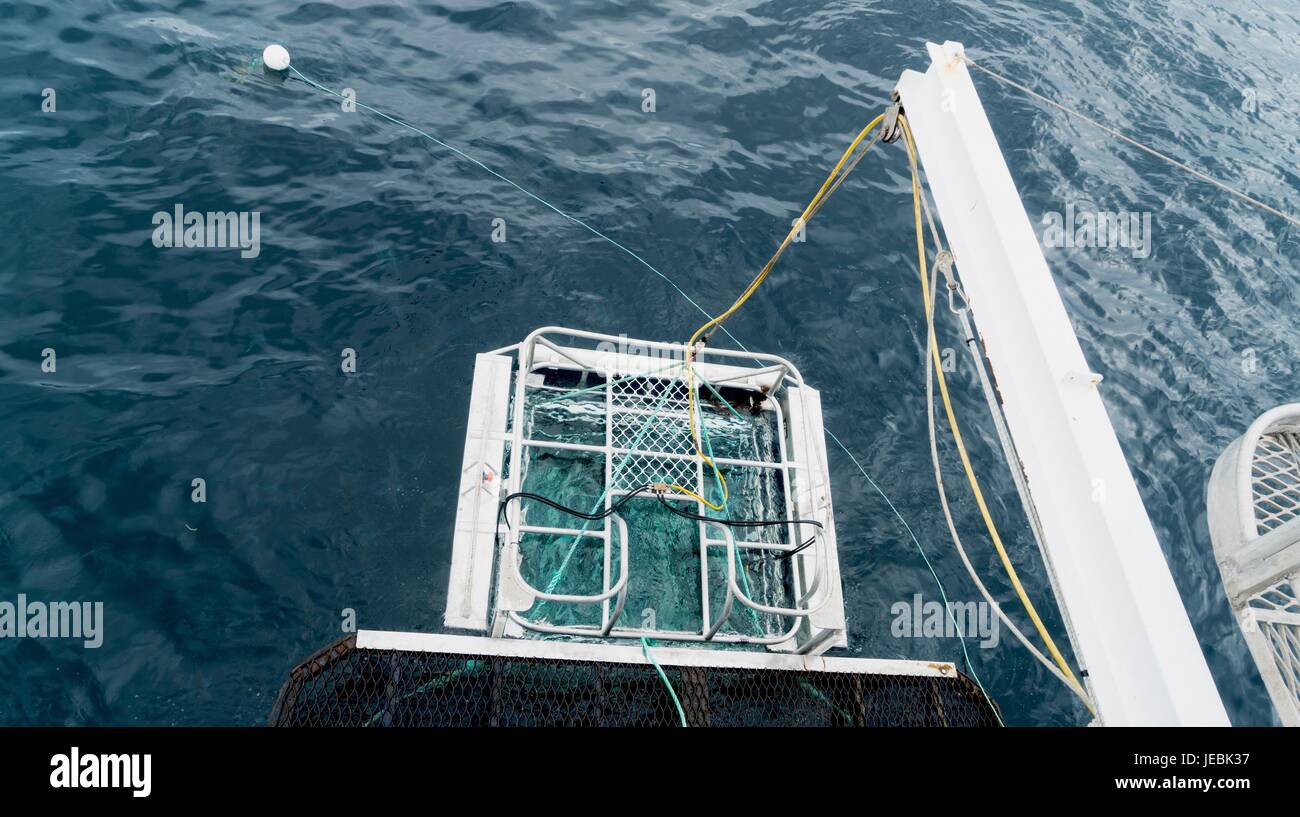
(956, 539)
(1249, 199)
(995, 411)
(938, 471)
(530, 194)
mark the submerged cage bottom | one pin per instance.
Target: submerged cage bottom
(344, 685)
(673, 572)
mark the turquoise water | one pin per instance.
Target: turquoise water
(664, 575)
(328, 491)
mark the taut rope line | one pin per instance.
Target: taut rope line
(1205, 177)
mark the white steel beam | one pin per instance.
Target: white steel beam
(1131, 630)
(473, 545)
(668, 656)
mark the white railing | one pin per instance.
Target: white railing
(1253, 509)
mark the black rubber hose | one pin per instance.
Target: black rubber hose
(592, 517)
(623, 500)
(737, 523)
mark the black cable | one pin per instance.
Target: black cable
(747, 523)
(736, 523)
(591, 517)
(804, 546)
(623, 500)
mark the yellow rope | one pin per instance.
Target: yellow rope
(956, 431)
(679, 489)
(714, 323)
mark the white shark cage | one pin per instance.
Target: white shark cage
(601, 424)
(1253, 510)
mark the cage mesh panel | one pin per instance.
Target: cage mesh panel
(649, 393)
(1275, 480)
(661, 433)
(1283, 637)
(346, 686)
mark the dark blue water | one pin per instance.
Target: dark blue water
(327, 491)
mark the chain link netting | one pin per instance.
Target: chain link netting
(346, 686)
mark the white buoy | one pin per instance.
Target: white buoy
(275, 57)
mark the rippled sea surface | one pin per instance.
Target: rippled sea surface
(326, 491)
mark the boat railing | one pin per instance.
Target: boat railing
(1253, 510)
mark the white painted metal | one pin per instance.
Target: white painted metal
(669, 656)
(643, 390)
(1253, 510)
(1133, 635)
(642, 397)
(473, 547)
(515, 586)
(812, 499)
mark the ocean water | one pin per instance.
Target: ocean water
(328, 491)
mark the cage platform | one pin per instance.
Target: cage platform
(601, 424)
(379, 679)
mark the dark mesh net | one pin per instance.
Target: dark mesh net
(346, 686)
